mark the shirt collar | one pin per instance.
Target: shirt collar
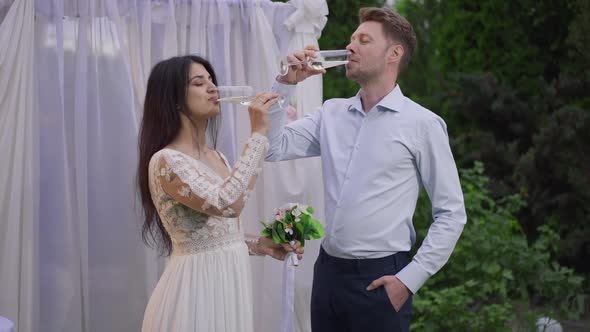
(392, 102)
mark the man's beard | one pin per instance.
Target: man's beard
(362, 77)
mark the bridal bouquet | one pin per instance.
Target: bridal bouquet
(292, 222)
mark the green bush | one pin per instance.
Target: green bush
(494, 277)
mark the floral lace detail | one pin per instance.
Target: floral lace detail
(201, 180)
(246, 167)
(246, 195)
(229, 212)
(193, 228)
(184, 191)
(210, 244)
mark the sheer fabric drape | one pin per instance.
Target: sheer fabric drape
(72, 81)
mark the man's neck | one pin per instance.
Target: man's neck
(372, 92)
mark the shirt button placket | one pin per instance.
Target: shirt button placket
(355, 147)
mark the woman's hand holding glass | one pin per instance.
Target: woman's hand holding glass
(259, 111)
(258, 104)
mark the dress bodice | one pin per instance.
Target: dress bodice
(198, 208)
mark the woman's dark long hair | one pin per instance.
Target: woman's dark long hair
(165, 99)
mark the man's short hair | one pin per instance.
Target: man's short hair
(395, 27)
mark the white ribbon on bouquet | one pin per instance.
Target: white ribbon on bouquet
(288, 319)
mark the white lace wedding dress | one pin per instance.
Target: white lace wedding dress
(206, 286)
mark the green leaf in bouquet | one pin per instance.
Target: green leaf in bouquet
(281, 232)
(300, 227)
(317, 230)
(306, 234)
(320, 228)
(296, 233)
(305, 226)
(266, 232)
(310, 209)
(304, 219)
(275, 236)
(288, 218)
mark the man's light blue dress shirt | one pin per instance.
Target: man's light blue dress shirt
(374, 165)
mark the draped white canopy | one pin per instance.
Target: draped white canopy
(72, 80)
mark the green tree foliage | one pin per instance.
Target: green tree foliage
(511, 81)
(494, 273)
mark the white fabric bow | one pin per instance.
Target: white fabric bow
(310, 17)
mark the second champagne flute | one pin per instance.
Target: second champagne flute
(323, 60)
(241, 94)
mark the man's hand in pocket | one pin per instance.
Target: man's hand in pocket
(397, 292)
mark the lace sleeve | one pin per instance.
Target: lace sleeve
(196, 187)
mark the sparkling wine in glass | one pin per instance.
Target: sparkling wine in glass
(242, 95)
(323, 60)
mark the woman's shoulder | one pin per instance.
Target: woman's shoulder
(164, 155)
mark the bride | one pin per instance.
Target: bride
(192, 198)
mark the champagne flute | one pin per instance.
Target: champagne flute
(323, 60)
(242, 95)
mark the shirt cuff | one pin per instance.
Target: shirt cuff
(413, 276)
(285, 90)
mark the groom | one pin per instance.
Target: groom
(378, 149)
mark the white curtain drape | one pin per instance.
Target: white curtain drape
(294, 181)
(19, 198)
(73, 75)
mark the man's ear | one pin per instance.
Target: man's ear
(395, 53)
